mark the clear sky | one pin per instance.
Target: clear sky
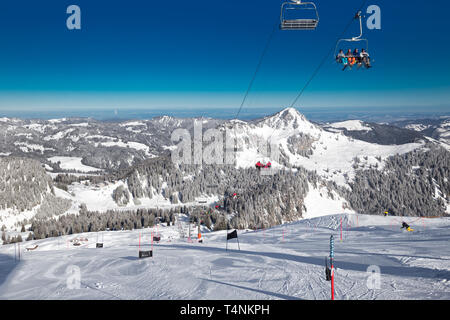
(202, 54)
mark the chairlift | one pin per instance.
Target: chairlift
(259, 165)
(294, 15)
(358, 39)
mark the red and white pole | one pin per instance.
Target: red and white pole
(332, 282)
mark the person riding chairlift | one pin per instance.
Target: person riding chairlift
(358, 58)
(340, 58)
(355, 53)
(350, 59)
(365, 58)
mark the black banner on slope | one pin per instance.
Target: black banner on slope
(232, 235)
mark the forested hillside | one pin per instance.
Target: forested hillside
(413, 184)
(261, 199)
(23, 183)
(26, 187)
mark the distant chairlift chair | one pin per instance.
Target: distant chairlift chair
(301, 23)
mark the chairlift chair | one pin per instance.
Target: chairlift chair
(353, 39)
(298, 23)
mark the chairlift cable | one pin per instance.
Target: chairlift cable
(325, 58)
(258, 66)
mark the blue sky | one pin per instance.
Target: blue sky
(202, 54)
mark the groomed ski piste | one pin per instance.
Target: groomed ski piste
(283, 262)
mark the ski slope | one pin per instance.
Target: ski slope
(285, 262)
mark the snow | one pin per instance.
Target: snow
(337, 157)
(99, 198)
(26, 135)
(130, 144)
(351, 125)
(28, 147)
(417, 127)
(81, 124)
(133, 123)
(9, 217)
(95, 198)
(4, 119)
(318, 203)
(59, 135)
(285, 262)
(207, 200)
(72, 163)
(57, 120)
(36, 127)
(131, 129)
(167, 119)
(98, 136)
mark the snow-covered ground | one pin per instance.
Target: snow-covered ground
(72, 163)
(9, 217)
(351, 125)
(319, 203)
(417, 127)
(99, 198)
(285, 262)
(26, 147)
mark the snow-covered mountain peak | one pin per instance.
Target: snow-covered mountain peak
(164, 119)
(288, 117)
(290, 113)
(288, 122)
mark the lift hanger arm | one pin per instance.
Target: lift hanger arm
(358, 16)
